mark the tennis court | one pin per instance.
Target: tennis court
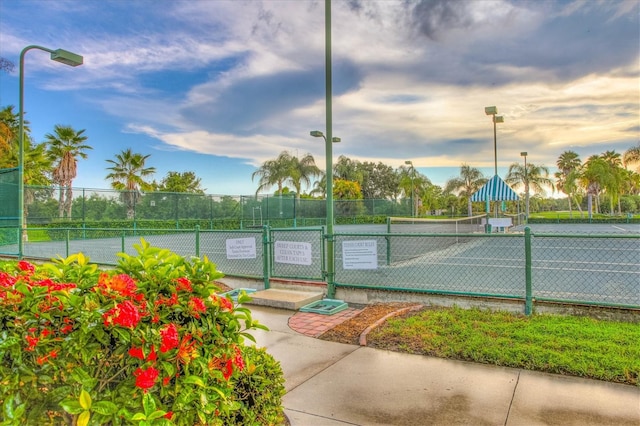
(592, 263)
(597, 263)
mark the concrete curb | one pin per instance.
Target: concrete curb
(363, 336)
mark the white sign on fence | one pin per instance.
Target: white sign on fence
(241, 248)
(360, 254)
(294, 252)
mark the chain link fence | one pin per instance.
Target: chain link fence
(577, 268)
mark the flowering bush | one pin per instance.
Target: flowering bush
(147, 343)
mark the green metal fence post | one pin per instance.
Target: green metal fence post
(122, 240)
(266, 256)
(388, 241)
(66, 243)
(197, 240)
(528, 302)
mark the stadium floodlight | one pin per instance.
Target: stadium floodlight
(493, 111)
(526, 187)
(58, 55)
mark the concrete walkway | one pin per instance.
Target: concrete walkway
(336, 384)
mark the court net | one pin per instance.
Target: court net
(409, 225)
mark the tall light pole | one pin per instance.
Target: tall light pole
(526, 187)
(58, 55)
(329, 196)
(413, 174)
(493, 111)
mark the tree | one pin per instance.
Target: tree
(632, 156)
(186, 182)
(127, 175)
(300, 171)
(9, 129)
(378, 180)
(273, 172)
(533, 178)
(614, 184)
(593, 178)
(347, 169)
(6, 65)
(65, 145)
(568, 164)
(469, 182)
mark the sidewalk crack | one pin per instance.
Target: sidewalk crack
(513, 395)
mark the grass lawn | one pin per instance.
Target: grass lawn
(578, 346)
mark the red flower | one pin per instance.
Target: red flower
(227, 370)
(184, 284)
(7, 280)
(161, 300)
(145, 379)
(223, 302)
(66, 329)
(26, 266)
(197, 306)
(169, 415)
(238, 360)
(125, 314)
(187, 350)
(166, 381)
(152, 355)
(136, 353)
(170, 339)
(32, 341)
(122, 284)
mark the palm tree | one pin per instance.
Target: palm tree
(273, 172)
(594, 177)
(127, 175)
(65, 145)
(632, 156)
(568, 163)
(9, 129)
(300, 170)
(470, 181)
(534, 178)
(615, 183)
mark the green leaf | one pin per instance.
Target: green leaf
(8, 407)
(105, 408)
(193, 380)
(71, 406)
(139, 416)
(85, 399)
(83, 418)
(149, 404)
(18, 413)
(156, 415)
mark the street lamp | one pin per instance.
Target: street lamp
(493, 111)
(58, 55)
(329, 175)
(526, 187)
(413, 174)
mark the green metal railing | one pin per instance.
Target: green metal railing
(601, 270)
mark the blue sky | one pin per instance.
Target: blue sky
(218, 87)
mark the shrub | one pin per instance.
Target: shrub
(147, 343)
(258, 390)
